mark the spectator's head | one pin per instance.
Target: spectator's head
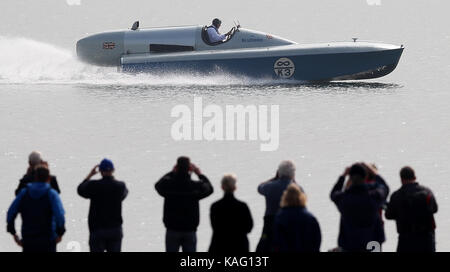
(286, 170)
(293, 197)
(407, 175)
(106, 167)
(217, 23)
(34, 158)
(183, 165)
(370, 175)
(357, 173)
(42, 174)
(229, 183)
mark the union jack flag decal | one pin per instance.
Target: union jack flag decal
(109, 45)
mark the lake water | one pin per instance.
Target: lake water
(76, 114)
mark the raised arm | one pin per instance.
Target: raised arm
(162, 186)
(337, 192)
(205, 188)
(382, 189)
(84, 187)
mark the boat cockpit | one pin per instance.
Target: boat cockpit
(229, 36)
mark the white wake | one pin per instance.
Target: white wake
(26, 61)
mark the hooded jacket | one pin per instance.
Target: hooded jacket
(41, 210)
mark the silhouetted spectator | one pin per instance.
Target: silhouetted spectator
(181, 204)
(34, 159)
(272, 190)
(42, 214)
(359, 207)
(105, 211)
(231, 221)
(412, 207)
(296, 229)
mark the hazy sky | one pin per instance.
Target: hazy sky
(62, 22)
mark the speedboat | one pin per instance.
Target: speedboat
(244, 52)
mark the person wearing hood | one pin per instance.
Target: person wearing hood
(43, 222)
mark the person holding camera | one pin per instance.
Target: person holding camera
(181, 204)
(105, 212)
(360, 210)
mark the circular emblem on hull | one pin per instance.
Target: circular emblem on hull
(284, 67)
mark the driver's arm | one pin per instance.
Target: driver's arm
(214, 37)
(229, 32)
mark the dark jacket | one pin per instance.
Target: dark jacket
(106, 195)
(360, 218)
(231, 221)
(412, 206)
(29, 177)
(378, 188)
(272, 191)
(296, 230)
(181, 200)
(41, 210)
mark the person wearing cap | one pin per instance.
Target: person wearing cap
(105, 211)
(413, 207)
(360, 221)
(42, 214)
(181, 204)
(35, 159)
(213, 32)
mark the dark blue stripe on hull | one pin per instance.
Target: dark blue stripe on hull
(322, 67)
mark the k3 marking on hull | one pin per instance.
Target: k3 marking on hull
(284, 68)
(244, 52)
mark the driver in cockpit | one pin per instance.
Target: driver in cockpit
(213, 32)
